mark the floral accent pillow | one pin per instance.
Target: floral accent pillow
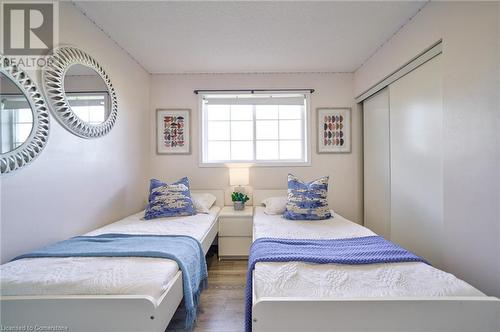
(169, 200)
(307, 201)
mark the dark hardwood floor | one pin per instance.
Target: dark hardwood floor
(221, 306)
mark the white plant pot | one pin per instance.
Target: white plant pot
(238, 206)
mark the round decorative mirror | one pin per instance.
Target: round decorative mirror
(81, 94)
(24, 118)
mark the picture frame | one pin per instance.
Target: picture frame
(333, 129)
(173, 131)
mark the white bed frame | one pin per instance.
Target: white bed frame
(101, 313)
(415, 314)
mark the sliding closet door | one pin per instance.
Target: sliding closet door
(377, 194)
(416, 130)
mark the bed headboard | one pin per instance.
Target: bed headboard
(218, 193)
(261, 194)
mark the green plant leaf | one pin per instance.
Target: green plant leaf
(239, 197)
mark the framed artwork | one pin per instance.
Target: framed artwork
(334, 129)
(173, 131)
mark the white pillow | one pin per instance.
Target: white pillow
(203, 202)
(275, 205)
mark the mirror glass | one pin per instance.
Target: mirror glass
(16, 116)
(87, 94)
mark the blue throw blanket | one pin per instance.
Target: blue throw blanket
(185, 250)
(353, 251)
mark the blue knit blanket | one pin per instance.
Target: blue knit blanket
(185, 250)
(352, 251)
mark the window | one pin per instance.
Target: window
(22, 125)
(16, 121)
(267, 129)
(89, 106)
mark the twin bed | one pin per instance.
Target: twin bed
(142, 294)
(103, 294)
(409, 296)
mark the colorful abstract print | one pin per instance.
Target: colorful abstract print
(173, 131)
(307, 201)
(333, 130)
(169, 200)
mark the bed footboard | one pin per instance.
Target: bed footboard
(451, 314)
(101, 313)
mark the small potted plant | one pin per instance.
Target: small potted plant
(239, 200)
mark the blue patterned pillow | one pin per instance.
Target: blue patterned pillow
(307, 201)
(169, 200)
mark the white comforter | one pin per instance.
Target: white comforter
(105, 275)
(295, 279)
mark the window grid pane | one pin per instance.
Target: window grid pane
(219, 150)
(290, 150)
(267, 129)
(242, 150)
(241, 112)
(290, 129)
(241, 130)
(267, 150)
(219, 131)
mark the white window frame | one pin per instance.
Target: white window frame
(306, 135)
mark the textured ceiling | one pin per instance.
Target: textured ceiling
(251, 36)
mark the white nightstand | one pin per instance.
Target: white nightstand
(235, 232)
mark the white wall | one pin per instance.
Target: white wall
(471, 58)
(76, 185)
(170, 91)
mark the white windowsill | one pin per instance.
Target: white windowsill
(276, 164)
